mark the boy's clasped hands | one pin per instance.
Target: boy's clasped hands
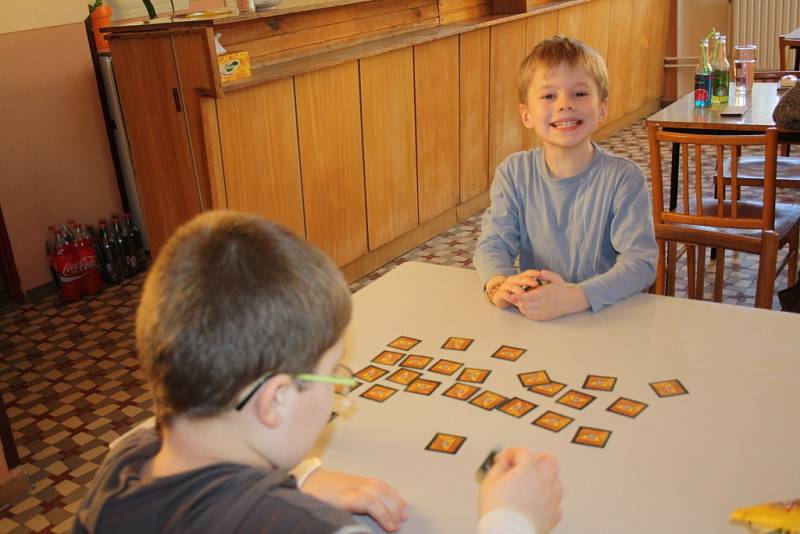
(537, 294)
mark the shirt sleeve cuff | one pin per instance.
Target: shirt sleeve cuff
(505, 521)
(302, 470)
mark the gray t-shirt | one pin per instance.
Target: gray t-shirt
(218, 498)
(595, 229)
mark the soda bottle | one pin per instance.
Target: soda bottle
(67, 265)
(50, 249)
(91, 282)
(138, 242)
(721, 71)
(125, 245)
(702, 78)
(113, 269)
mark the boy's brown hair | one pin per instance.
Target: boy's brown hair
(230, 297)
(559, 50)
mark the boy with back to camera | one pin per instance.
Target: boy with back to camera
(240, 330)
(575, 216)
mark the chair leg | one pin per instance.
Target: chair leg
(719, 275)
(659, 283)
(766, 270)
(690, 271)
(791, 265)
(700, 280)
(672, 252)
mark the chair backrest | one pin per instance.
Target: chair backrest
(732, 213)
(773, 75)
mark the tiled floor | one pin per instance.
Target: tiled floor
(71, 383)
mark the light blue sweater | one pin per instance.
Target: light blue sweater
(594, 229)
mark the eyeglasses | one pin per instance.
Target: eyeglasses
(341, 378)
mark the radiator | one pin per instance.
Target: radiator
(760, 22)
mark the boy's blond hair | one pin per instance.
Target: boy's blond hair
(558, 50)
(230, 297)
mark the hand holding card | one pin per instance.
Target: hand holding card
(526, 483)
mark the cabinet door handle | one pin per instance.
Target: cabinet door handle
(177, 99)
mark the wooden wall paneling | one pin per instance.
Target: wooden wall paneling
(659, 25)
(572, 21)
(539, 28)
(331, 160)
(259, 153)
(507, 50)
(639, 50)
(436, 68)
(456, 10)
(213, 156)
(598, 20)
(474, 113)
(196, 78)
(390, 159)
(293, 34)
(147, 82)
(621, 69)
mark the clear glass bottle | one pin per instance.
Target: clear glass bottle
(702, 78)
(721, 71)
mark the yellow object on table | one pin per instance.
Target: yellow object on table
(780, 517)
(234, 66)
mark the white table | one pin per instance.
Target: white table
(682, 465)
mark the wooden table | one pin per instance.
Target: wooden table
(682, 465)
(682, 116)
(792, 40)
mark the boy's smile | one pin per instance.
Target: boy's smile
(563, 108)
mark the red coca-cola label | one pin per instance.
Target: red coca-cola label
(69, 271)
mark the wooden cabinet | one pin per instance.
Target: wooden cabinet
(155, 118)
(366, 127)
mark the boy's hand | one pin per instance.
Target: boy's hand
(554, 299)
(514, 285)
(526, 483)
(358, 495)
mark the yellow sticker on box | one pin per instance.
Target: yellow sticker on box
(234, 66)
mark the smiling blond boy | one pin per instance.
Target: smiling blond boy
(576, 217)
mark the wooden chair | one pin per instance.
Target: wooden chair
(702, 221)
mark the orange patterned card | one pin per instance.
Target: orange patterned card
(477, 376)
(416, 361)
(378, 393)
(627, 407)
(593, 437)
(371, 373)
(460, 391)
(445, 367)
(404, 343)
(517, 407)
(600, 383)
(549, 390)
(576, 399)
(669, 388)
(447, 443)
(506, 352)
(403, 376)
(488, 400)
(457, 343)
(533, 378)
(555, 422)
(388, 357)
(422, 386)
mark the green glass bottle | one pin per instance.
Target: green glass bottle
(721, 71)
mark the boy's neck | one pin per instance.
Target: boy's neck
(189, 444)
(567, 162)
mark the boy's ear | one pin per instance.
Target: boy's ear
(527, 120)
(603, 109)
(270, 402)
